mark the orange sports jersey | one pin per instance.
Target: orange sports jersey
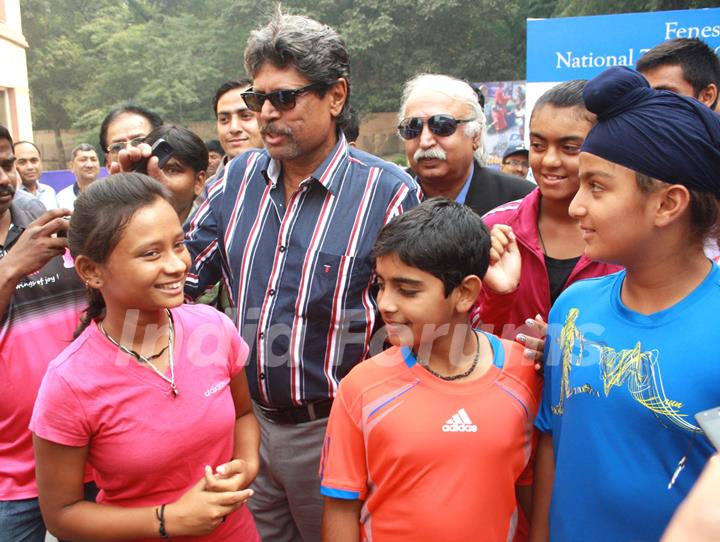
(433, 460)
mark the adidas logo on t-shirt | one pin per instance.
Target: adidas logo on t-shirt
(459, 423)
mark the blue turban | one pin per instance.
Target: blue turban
(656, 132)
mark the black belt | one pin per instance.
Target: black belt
(299, 414)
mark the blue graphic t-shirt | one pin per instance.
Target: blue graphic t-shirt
(620, 394)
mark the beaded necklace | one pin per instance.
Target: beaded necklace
(143, 359)
(461, 375)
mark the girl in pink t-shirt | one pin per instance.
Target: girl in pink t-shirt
(152, 393)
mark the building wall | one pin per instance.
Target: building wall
(14, 89)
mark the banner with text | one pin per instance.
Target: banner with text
(581, 47)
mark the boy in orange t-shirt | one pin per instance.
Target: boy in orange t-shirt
(445, 415)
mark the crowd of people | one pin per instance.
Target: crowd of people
(277, 336)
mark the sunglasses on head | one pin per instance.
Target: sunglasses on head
(282, 100)
(440, 125)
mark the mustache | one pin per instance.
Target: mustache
(7, 190)
(272, 128)
(434, 152)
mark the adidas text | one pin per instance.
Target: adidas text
(459, 428)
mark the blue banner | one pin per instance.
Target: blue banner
(581, 47)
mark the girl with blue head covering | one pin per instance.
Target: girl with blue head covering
(630, 357)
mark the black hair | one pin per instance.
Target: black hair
(700, 65)
(441, 237)
(704, 207)
(188, 148)
(26, 143)
(315, 50)
(83, 147)
(5, 134)
(153, 118)
(226, 87)
(100, 215)
(566, 95)
(351, 128)
(213, 145)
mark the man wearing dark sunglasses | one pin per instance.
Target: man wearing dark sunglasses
(442, 125)
(291, 228)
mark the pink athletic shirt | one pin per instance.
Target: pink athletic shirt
(39, 324)
(147, 447)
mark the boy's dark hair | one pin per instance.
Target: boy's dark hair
(188, 148)
(100, 215)
(5, 134)
(700, 65)
(153, 118)
(565, 95)
(227, 86)
(441, 237)
(213, 145)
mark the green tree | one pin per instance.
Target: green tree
(169, 55)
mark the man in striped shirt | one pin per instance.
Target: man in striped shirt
(290, 230)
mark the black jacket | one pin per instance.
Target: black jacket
(490, 188)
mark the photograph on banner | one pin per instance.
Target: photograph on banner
(505, 114)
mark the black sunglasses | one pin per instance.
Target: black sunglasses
(440, 125)
(282, 100)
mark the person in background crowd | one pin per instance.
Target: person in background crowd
(22, 202)
(442, 126)
(215, 156)
(184, 173)
(683, 65)
(515, 162)
(152, 394)
(41, 299)
(125, 126)
(29, 166)
(86, 168)
(628, 360)
(237, 126)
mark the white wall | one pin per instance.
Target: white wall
(13, 72)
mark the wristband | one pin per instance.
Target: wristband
(160, 514)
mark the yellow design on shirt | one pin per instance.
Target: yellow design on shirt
(634, 368)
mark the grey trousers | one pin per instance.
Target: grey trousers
(287, 505)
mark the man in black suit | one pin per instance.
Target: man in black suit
(443, 127)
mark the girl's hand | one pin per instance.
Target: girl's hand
(503, 275)
(200, 511)
(534, 344)
(232, 476)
